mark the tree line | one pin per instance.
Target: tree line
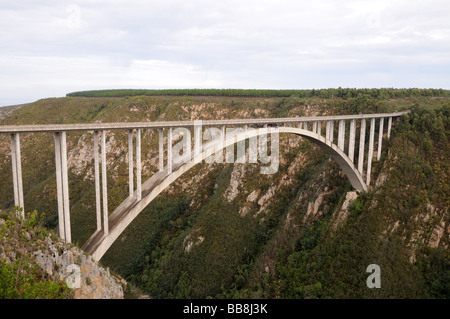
(381, 94)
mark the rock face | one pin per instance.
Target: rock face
(81, 273)
(59, 262)
(343, 213)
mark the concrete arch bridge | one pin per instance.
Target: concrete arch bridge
(213, 141)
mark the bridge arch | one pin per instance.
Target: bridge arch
(98, 244)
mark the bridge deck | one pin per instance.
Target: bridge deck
(155, 125)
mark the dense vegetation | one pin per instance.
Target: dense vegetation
(192, 242)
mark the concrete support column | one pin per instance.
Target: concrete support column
(362, 141)
(130, 163)
(351, 142)
(328, 131)
(17, 172)
(300, 125)
(223, 132)
(319, 128)
(380, 138)
(138, 165)
(169, 150)
(104, 185)
(369, 158)
(98, 208)
(389, 127)
(314, 129)
(331, 131)
(341, 135)
(62, 186)
(197, 139)
(161, 149)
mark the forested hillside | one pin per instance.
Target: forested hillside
(226, 231)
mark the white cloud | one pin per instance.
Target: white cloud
(53, 47)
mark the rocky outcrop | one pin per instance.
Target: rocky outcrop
(85, 276)
(58, 261)
(193, 239)
(236, 181)
(344, 211)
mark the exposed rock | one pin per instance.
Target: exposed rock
(253, 196)
(193, 239)
(81, 272)
(436, 236)
(235, 181)
(343, 212)
(60, 262)
(313, 207)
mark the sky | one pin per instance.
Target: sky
(49, 48)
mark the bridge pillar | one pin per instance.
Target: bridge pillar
(130, 164)
(341, 135)
(351, 142)
(138, 165)
(197, 139)
(370, 156)
(362, 142)
(161, 149)
(314, 129)
(98, 208)
(104, 185)
(380, 138)
(169, 151)
(17, 172)
(389, 127)
(62, 186)
(328, 131)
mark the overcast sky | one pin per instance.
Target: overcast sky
(50, 48)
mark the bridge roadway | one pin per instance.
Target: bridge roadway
(173, 124)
